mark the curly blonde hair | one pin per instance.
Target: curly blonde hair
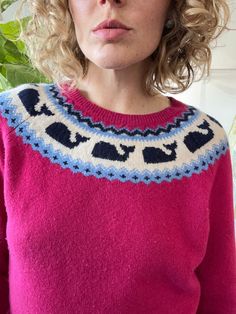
(183, 52)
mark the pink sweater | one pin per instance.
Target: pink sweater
(110, 213)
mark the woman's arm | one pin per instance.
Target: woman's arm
(4, 258)
(217, 272)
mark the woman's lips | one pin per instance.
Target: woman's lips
(110, 33)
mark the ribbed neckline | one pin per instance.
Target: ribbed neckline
(87, 107)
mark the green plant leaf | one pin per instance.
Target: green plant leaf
(4, 84)
(10, 30)
(19, 74)
(4, 4)
(2, 49)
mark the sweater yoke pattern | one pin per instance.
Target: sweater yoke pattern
(45, 120)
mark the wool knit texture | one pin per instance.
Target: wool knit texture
(111, 213)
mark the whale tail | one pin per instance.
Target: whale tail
(127, 149)
(171, 146)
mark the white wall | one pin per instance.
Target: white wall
(9, 14)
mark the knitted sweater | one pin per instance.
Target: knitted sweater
(110, 213)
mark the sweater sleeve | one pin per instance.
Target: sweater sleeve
(217, 271)
(4, 257)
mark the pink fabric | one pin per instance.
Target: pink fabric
(71, 243)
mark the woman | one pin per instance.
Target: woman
(114, 197)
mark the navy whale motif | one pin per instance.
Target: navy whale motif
(195, 140)
(60, 132)
(108, 151)
(30, 98)
(157, 155)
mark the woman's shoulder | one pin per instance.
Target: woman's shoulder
(27, 88)
(18, 103)
(207, 131)
(22, 95)
(203, 122)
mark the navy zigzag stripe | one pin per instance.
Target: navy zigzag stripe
(116, 131)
